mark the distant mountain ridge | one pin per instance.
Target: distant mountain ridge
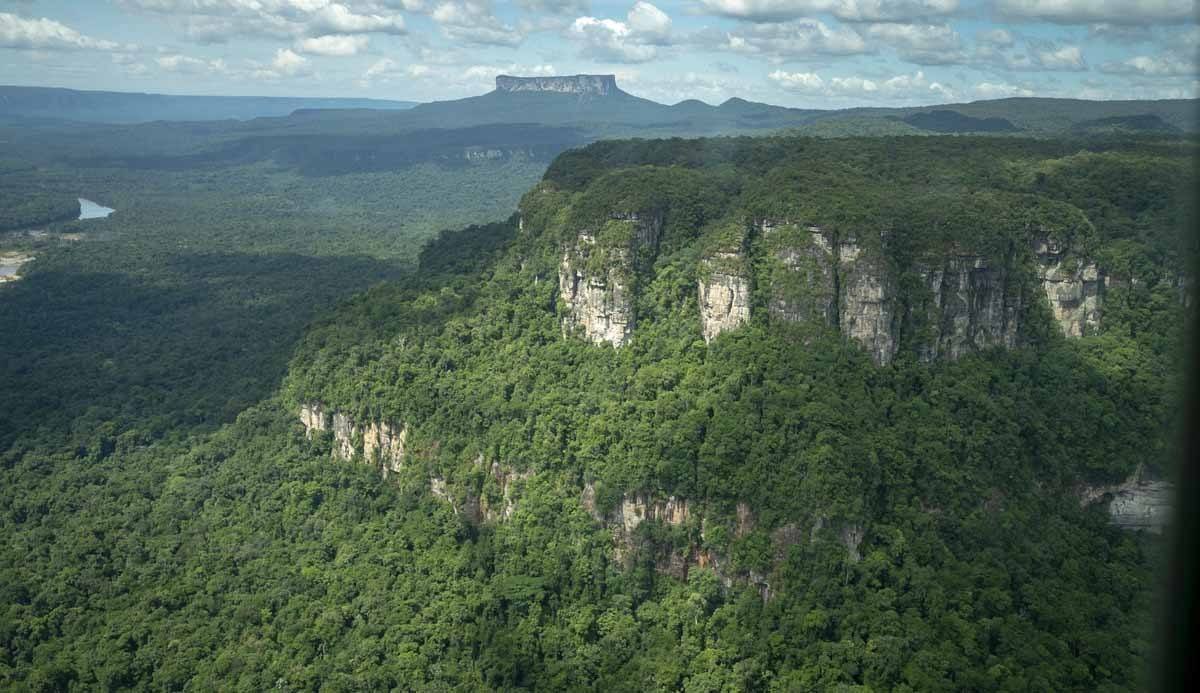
(596, 105)
(131, 107)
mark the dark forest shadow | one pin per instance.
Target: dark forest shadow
(193, 346)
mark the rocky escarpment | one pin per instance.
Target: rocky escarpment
(379, 443)
(960, 303)
(582, 85)
(972, 304)
(1073, 288)
(598, 276)
(724, 293)
(1139, 503)
(384, 445)
(634, 510)
(965, 302)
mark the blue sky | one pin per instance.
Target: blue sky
(809, 53)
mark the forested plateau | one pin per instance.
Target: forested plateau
(726, 414)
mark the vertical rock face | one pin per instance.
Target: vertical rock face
(1073, 288)
(599, 303)
(313, 418)
(582, 85)
(380, 443)
(383, 445)
(866, 302)
(807, 290)
(970, 307)
(1136, 504)
(724, 295)
(597, 277)
(344, 434)
(508, 481)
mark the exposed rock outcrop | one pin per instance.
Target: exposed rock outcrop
(313, 418)
(633, 510)
(1137, 504)
(384, 445)
(971, 306)
(378, 443)
(724, 295)
(581, 85)
(969, 303)
(509, 483)
(866, 302)
(1073, 288)
(345, 433)
(598, 276)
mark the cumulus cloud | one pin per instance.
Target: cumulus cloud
(286, 63)
(796, 40)
(188, 65)
(475, 21)
(1063, 58)
(1093, 11)
(386, 69)
(907, 88)
(47, 34)
(1000, 38)
(847, 10)
(216, 21)
(999, 90)
(925, 44)
(333, 44)
(635, 40)
(1152, 66)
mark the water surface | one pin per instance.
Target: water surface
(10, 265)
(91, 210)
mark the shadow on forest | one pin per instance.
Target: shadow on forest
(191, 342)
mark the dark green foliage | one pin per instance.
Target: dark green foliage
(148, 549)
(954, 122)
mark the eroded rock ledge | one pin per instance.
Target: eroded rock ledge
(379, 443)
(633, 510)
(968, 302)
(598, 275)
(1139, 503)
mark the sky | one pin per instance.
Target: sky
(804, 53)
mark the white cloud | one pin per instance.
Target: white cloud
(926, 44)
(648, 21)
(914, 88)
(47, 34)
(216, 21)
(1064, 58)
(189, 65)
(287, 62)
(999, 90)
(333, 44)
(1000, 38)
(848, 10)
(474, 21)
(633, 41)
(335, 18)
(1092, 11)
(1162, 66)
(801, 39)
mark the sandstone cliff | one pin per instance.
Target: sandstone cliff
(582, 85)
(1139, 503)
(598, 276)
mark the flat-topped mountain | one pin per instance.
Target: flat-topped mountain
(583, 85)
